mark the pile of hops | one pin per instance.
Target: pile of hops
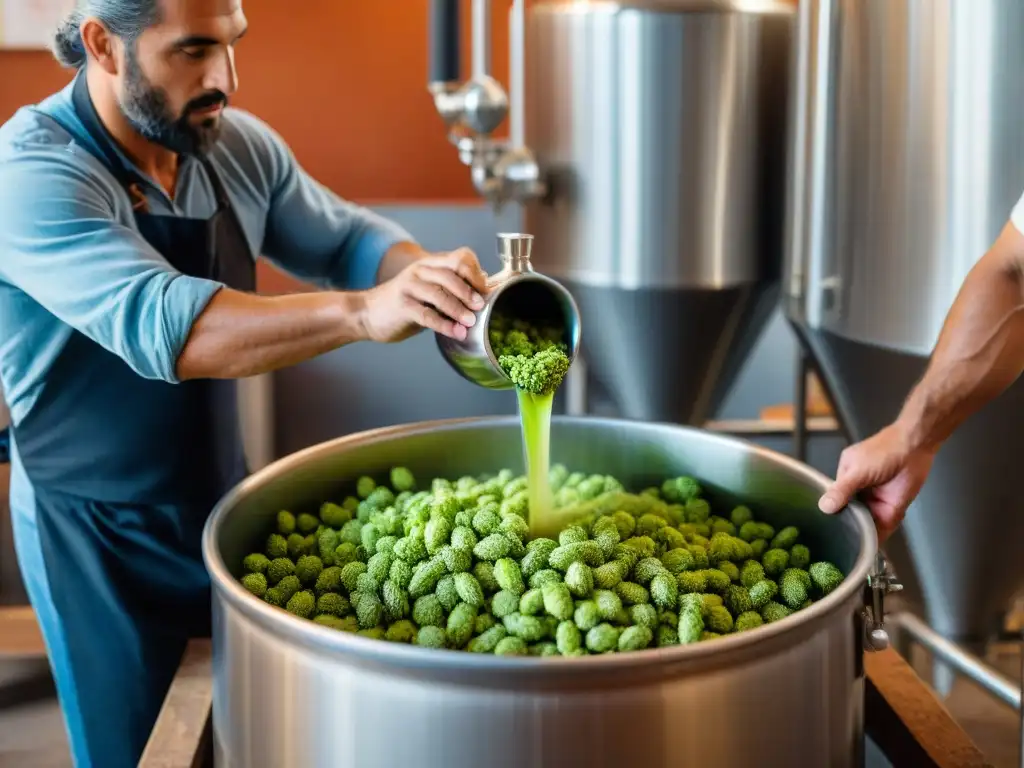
(455, 567)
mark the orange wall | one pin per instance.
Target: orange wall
(344, 81)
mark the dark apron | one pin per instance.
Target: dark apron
(125, 471)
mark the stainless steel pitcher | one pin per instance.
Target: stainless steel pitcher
(522, 293)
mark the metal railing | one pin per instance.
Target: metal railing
(910, 629)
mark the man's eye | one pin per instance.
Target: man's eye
(194, 53)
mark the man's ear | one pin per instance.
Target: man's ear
(99, 44)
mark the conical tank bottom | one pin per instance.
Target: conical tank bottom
(670, 355)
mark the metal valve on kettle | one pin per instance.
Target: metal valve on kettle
(521, 292)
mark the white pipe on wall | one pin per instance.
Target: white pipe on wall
(517, 74)
(481, 38)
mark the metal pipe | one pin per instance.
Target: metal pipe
(481, 38)
(517, 73)
(576, 388)
(967, 664)
(502, 171)
(800, 412)
(443, 61)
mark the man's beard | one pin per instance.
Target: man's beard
(146, 108)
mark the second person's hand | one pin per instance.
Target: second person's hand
(887, 474)
(440, 292)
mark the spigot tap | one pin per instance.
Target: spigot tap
(881, 582)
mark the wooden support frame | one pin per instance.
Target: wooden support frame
(905, 718)
(902, 716)
(20, 638)
(183, 735)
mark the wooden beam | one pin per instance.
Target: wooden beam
(183, 736)
(775, 426)
(905, 718)
(19, 634)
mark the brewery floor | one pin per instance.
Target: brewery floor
(32, 734)
(31, 729)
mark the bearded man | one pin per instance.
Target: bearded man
(133, 206)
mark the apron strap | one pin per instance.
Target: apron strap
(223, 202)
(101, 137)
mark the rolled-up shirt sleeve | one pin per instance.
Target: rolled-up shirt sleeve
(312, 232)
(62, 244)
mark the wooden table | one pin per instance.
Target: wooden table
(183, 735)
(903, 717)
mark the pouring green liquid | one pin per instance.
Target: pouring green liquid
(535, 418)
(535, 360)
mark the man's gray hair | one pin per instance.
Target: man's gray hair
(125, 18)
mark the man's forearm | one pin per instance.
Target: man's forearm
(979, 354)
(241, 334)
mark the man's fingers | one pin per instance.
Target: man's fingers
(848, 481)
(885, 528)
(840, 493)
(887, 519)
(464, 263)
(883, 533)
(454, 285)
(831, 502)
(428, 317)
(438, 298)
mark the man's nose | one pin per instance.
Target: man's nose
(223, 76)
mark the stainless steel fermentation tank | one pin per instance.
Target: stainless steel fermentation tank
(647, 147)
(906, 161)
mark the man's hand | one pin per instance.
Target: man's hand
(440, 292)
(886, 472)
